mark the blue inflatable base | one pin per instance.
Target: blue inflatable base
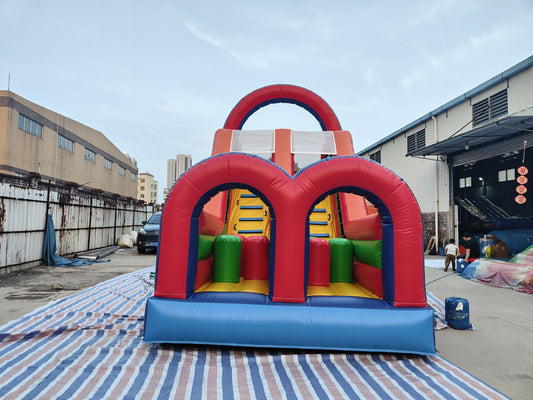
(396, 330)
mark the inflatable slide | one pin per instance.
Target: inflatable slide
(258, 251)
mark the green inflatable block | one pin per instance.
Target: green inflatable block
(368, 252)
(205, 246)
(341, 260)
(227, 259)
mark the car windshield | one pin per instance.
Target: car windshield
(155, 219)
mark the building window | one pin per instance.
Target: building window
(121, 171)
(90, 155)
(490, 108)
(108, 164)
(132, 176)
(376, 156)
(416, 141)
(480, 112)
(142, 180)
(465, 182)
(65, 143)
(142, 187)
(506, 175)
(30, 126)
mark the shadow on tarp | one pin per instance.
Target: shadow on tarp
(50, 256)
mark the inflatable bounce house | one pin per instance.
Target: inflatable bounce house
(255, 251)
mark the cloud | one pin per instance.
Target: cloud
(204, 36)
(499, 34)
(188, 105)
(414, 76)
(438, 9)
(428, 66)
(370, 76)
(252, 59)
(365, 105)
(433, 61)
(474, 45)
(265, 40)
(432, 13)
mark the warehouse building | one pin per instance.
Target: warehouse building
(38, 142)
(467, 161)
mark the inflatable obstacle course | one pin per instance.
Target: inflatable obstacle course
(253, 253)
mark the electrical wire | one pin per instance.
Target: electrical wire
(439, 278)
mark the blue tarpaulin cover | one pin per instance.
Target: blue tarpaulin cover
(514, 275)
(50, 256)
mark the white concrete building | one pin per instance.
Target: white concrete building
(461, 160)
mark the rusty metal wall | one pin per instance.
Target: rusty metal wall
(83, 220)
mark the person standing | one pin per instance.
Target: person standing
(471, 247)
(451, 251)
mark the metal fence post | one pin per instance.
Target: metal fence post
(90, 222)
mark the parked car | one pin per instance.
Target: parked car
(148, 237)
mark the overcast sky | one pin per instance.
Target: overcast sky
(158, 78)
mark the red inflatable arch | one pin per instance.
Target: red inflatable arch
(283, 94)
(290, 200)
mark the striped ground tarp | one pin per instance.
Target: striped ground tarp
(439, 314)
(90, 346)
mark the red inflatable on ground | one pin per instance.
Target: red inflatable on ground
(291, 200)
(286, 295)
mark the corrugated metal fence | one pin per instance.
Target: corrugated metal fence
(83, 220)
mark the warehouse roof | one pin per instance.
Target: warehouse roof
(494, 131)
(528, 62)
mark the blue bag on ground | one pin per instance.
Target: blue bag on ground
(461, 265)
(457, 312)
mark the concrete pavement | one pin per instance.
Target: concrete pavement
(498, 351)
(22, 292)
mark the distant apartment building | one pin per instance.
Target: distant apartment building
(166, 191)
(35, 141)
(176, 167)
(147, 188)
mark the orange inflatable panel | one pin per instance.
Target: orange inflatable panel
(365, 228)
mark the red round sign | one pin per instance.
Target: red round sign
(520, 199)
(522, 180)
(522, 170)
(521, 189)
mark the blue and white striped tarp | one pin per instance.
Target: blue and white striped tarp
(90, 346)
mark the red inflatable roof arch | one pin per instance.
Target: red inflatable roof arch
(302, 97)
